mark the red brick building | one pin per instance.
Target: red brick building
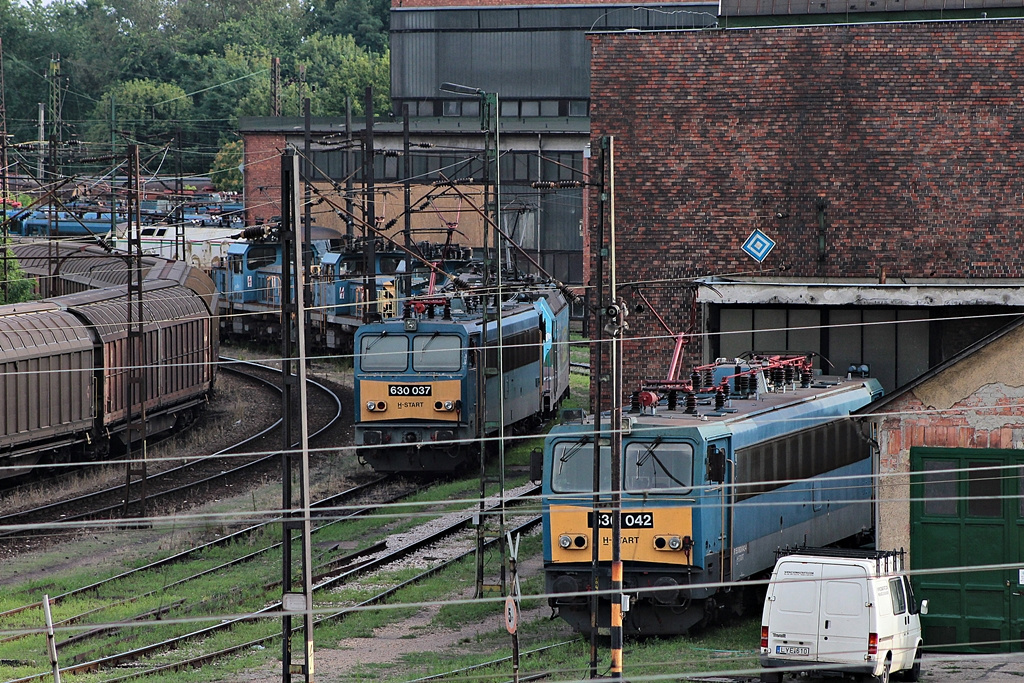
(950, 484)
(883, 159)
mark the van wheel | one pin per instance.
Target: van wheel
(913, 674)
(773, 677)
(884, 676)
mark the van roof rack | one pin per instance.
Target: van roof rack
(885, 560)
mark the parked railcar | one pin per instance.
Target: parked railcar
(418, 379)
(64, 362)
(44, 223)
(755, 457)
(250, 280)
(61, 267)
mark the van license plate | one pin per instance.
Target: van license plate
(791, 650)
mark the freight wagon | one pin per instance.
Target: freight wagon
(65, 367)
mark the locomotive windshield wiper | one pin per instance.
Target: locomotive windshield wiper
(573, 450)
(374, 342)
(649, 453)
(431, 340)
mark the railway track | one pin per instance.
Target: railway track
(169, 487)
(340, 570)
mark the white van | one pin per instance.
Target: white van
(844, 611)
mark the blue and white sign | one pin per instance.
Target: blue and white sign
(758, 245)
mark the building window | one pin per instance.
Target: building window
(939, 487)
(510, 108)
(549, 108)
(530, 109)
(577, 107)
(452, 108)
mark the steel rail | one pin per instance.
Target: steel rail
(106, 512)
(274, 609)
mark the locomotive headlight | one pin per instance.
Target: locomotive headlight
(668, 543)
(449, 405)
(371, 406)
(564, 541)
(376, 406)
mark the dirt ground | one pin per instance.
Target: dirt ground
(336, 662)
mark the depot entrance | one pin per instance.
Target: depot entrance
(967, 521)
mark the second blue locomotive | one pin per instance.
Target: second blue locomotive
(420, 380)
(755, 457)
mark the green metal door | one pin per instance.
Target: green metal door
(966, 512)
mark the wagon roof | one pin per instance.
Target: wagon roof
(164, 303)
(40, 329)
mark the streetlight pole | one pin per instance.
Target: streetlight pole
(489, 118)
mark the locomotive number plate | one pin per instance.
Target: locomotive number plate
(791, 650)
(409, 389)
(628, 520)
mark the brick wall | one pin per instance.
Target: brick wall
(910, 136)
(977, 402)
(262, 176)
(496, 3)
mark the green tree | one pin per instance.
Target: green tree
(366, 21)
(16, 287)
(225, 173)
(336, 68)
(145, 112)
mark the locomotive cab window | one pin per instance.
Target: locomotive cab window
(658, 467)
(573, 466)
(437, 353)
(260, 256)
(235, 264)
(384, 352)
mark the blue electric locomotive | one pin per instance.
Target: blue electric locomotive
(710, 487)
(249, 279)
(419, 379)
(43, 223)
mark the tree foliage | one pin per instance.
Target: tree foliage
(196, 65)
(225, 171)
(16, 287)
(141, 111)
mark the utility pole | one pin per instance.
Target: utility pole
(350, 224)
(595, 558)
(296, 519)
(403, 293)
(615, 358)
(307, 198)
(370, 239)
(275, 87)
(113, 177)
(3, 179)
(135, 381)
(39, 144)
(179, 199)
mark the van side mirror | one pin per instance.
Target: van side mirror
(536, 464)
(715, 464)
(924, 607)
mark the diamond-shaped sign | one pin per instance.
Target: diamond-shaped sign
(758, 245)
